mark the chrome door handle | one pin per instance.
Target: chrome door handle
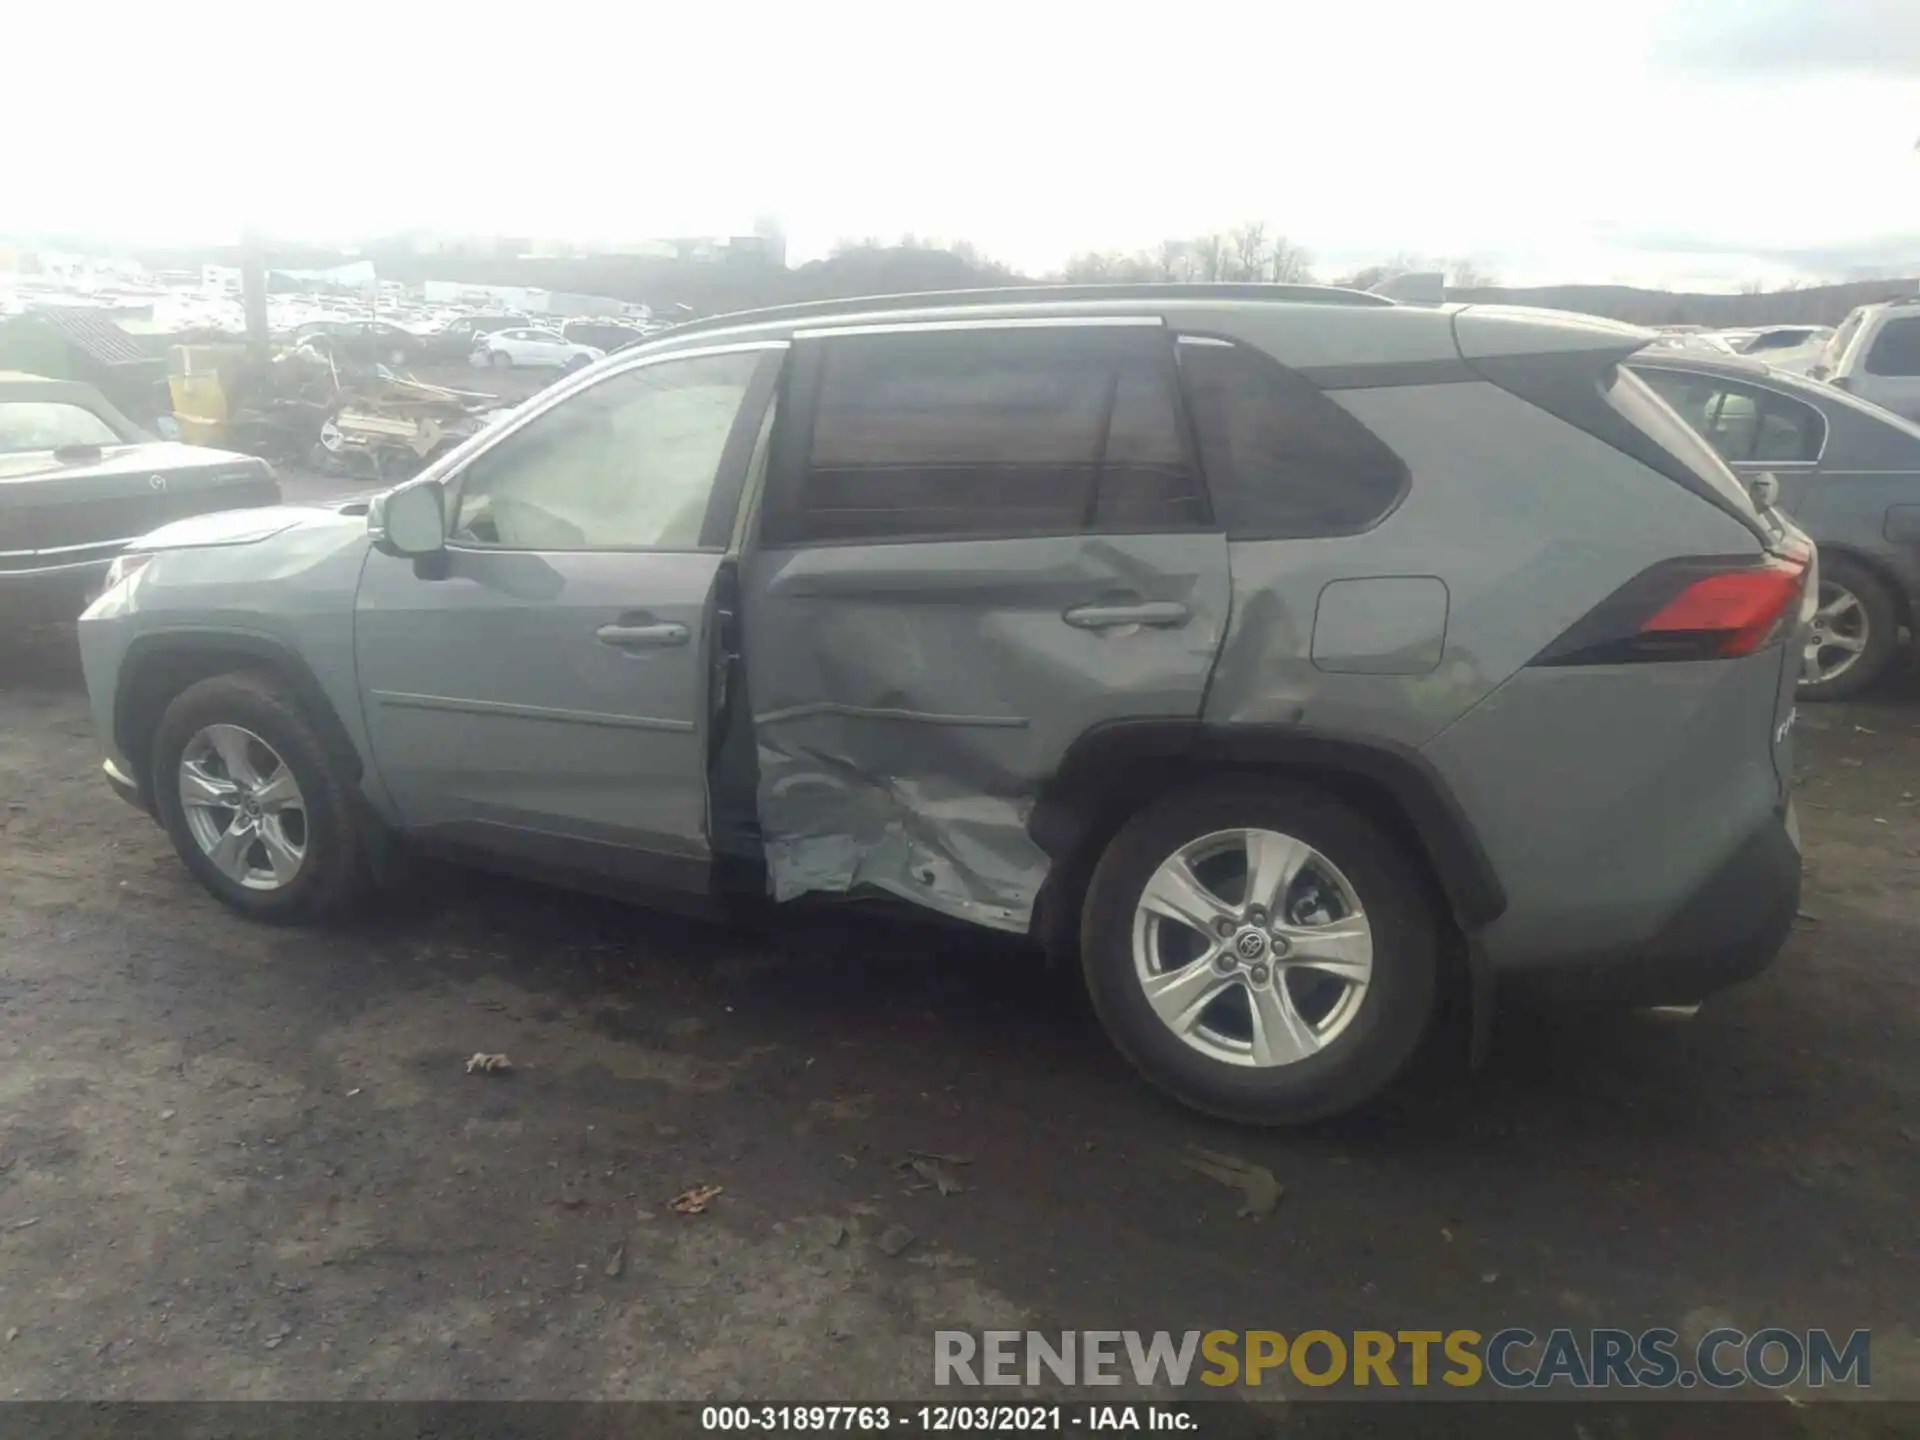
(1161, 613)
(642, 637)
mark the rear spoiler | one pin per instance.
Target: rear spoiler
(1416, 287)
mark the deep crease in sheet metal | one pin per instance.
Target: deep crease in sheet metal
(910, 701)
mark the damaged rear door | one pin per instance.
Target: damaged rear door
(978, 540)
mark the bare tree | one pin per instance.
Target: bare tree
(1753, 287)
(1173, 260)
(1247, 252)
(1286, 263)
(1090, 267)
(1209, 257)
(1466, 275)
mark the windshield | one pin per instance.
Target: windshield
(50, 425)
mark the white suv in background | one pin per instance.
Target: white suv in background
(1875, 354)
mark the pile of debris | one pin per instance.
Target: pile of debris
(305, 407)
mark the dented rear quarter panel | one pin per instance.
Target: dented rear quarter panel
(1527, 523)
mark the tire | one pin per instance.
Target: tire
(333, 871)
(1852, 597)
(501, 360)
(577, 362)
(1367, 1044)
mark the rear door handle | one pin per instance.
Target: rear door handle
(1164, 614)
(642, 637)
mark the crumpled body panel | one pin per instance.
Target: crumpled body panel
(910, 700)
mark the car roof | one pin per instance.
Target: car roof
(936, 303)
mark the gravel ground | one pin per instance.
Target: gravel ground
(244, 1163)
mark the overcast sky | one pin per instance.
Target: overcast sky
(1675, 141)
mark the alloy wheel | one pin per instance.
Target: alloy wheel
(243, 807)
(1252, 948)
(1838, 636)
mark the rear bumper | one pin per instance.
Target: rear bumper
(1729, 930)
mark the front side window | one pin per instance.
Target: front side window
(1282, 458)
(628, 463)
(1896, 349)
(50, 425)
(992, 432)
(1746, 424)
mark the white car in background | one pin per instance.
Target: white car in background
(533, 347)
(1789, 347)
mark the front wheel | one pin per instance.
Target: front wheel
(256, 804)
(501, 360)
(1263, 952)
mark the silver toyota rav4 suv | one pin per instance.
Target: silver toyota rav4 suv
(1288, 655)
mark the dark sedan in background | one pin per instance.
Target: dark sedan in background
(1849, 474)
(78, 480)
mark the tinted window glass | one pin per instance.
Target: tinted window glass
(992, 433)
(1146, 478)
(1896, 349)
(1745, 424)
(1281, 458)
(627, 463)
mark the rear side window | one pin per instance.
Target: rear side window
(1746, 424)
(1837, 342)
(1282, 459)
(1896, 349)
(1630, 397)
(992, 432)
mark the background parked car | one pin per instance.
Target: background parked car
(1849, 474)
(458, 338)
(1875, 354)
(78, 481)
(606, 335)
(531, 347)
(367, 342)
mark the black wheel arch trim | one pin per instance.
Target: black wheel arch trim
(1073, 802)
(264, 651)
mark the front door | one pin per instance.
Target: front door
(542, 689)
(977, 542)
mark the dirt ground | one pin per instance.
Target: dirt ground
(237, 1162)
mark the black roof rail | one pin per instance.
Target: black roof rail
(1032, 295)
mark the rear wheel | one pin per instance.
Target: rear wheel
(502, 360)
(1854, 632)
(1262, 952)
(255, 804)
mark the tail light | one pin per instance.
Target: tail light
(1687, 610)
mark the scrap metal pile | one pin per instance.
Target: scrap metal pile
(311, 408)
